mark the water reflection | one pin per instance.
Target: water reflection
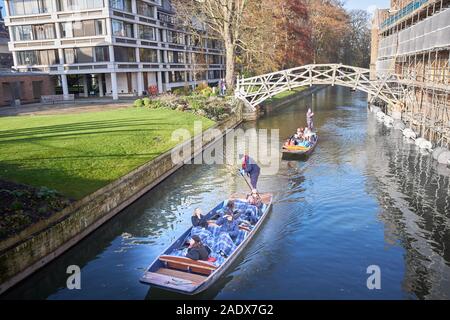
(365, 196)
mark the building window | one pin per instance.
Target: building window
(147, 33)
(38, 57)
(101, 54)
(176, 57)
(86, 55)
(25, 7)
(124, 5)
(166, 18)
(148, 55)
(176, 37)
(87, 28)
(35, 32)
(214, 74)
(145, 9)
(214, 59)
(122, 29)
(177, 76)
(124, 54)
(75, 5)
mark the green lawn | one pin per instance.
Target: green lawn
(77, 154)
(285, 94)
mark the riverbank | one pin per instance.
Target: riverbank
(287, 97)
(41, 242)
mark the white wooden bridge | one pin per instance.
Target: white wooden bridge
(253, 91)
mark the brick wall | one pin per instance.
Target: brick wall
(28, 88)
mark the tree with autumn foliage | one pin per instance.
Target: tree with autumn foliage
(277, 35)
(330, 24)
(224, 18)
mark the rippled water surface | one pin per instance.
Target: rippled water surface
(365, 197)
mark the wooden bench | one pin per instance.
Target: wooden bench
(52, 99)
(188, 265)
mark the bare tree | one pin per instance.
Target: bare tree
(221, 17)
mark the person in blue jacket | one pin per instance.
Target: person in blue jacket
(228, 225)
(250, 168)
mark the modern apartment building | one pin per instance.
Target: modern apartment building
(411, 40)
(109, 47)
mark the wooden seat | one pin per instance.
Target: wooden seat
(188, 265)
(194, 278)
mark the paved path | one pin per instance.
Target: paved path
(88, 105)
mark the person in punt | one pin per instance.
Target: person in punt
(251, 168)
(228, 224)
(198, 219)
(254, 199)
(196, 250)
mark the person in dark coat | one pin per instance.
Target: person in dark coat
(199, 220)
(228, 225)
(250, 168)
(196, 250)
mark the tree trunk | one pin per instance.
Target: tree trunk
(229, 48)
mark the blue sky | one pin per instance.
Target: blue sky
(350, 4)
(369, 5)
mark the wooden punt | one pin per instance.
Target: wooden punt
(298, 150)
(186, 276)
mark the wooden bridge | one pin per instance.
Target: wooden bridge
(253, 91)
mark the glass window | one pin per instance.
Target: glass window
(124, 5)
(122, 29)
(147, 32)
(38, 57)
(145, 9)
(69, 56)
(23, 7)
(44, 31)
(74, 5)
(176, 76)
(101, 54)
(100, 27)
(148, 55)
(66, 30)
(124, 54)
(21, 33)
(175, 37)
(85, 28)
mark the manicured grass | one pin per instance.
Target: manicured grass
(285, 94)
(77, 154)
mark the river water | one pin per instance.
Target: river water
(365, 197)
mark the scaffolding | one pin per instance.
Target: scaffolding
(414, 44)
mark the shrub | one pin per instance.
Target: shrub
(138, 103)
(201, 87)
(147, 102)
(46, 193)
(182, 91)
(207, 92)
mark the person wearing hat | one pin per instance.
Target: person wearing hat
(196, 250)
(229, 224)
(250, 168)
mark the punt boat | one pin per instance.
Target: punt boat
(299, 150)
(186, 276)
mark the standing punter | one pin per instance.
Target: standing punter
(250, 167)
(309, 119)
